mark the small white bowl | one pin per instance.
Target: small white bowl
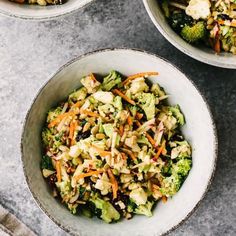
(200, 53)
(199, 130)
(36, 12)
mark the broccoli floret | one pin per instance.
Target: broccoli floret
(145, 209)
(147, 103)
(46, 163)
(47, 136)
(64, 188)
(165, 8)
(53, 113)
(157, 90)
(166, 169)
(178, 20)
(171, 185)
(72, 208)
(107, 212)
(194, 33)
(182, 167)
(177, 114)
(182, 150)
(78, 95)
(110, 81)
(131, 206)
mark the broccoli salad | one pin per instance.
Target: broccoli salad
(115, 147)
(211, 22)
(40, 2)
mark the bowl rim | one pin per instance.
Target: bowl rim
(77, 58)
(43, 18)
(171, 38)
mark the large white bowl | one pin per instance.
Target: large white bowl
(199, 130)
(201, 53)
(37, 12)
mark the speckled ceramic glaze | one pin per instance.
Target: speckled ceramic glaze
(37, 12)
(201, 53)
(199, 130)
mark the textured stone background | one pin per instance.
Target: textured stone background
(31, 51)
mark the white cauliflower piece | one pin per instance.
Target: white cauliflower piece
(138, 85)
(104, 97)
(90, 83)
(138, 196)
(198, 9)
(103, 184)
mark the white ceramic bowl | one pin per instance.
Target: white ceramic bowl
(37, 12)
(201, 53)
(199, 130)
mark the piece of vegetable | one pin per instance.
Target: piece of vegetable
(127, 99)
(90, 83)
(91, 173)
(108, 213)
(78, 95)
(177, 114)
(113, 182)
(139, 196)
(46, 163)
(89, 113)
(194, 33)
(178, 20)
(139, 75)
(111, 81)
(145, 209)
(147, 103)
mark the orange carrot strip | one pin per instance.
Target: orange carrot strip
(58, 169)
(160, 149)
(91, 173)
(130, 153)
(59, 118)
(89, 113)
(121, 130)
(143, 74)
(222, 22)
(139, 116)
(118, 92)
(77, 104)
(101, 152)
(129, 120)
(148, 136)
(114, 183)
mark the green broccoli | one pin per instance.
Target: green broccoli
(177, 114)
(110, 81)
(46, 163)
(145, 209)
(47, 136)
(72, 207)
(194, 33)
(171, 185)
(182, 167)
(64, 187)
(131, 206)
(78, 95)
(178, 20)
(108, 212)
(157, 90)
(53, 113)
(147, 103)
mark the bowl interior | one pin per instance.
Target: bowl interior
(199, 130)
(201, 53)
(39, 12)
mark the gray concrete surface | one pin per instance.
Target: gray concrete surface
(31, 51)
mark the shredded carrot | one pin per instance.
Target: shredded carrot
(129, 120)
(160, 150)
(59, 118)
(58, 169)
(77, 104)
(148, 136)
(118, 92)
(101, 152)
(121, 130)
(143, 74)
(139, 116)
(222, 22)
(90, 173)
(89, 113)
(114, 183)
(164, 199)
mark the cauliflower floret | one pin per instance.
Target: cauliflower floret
(138, 196)
(90, 83)
(138, 85)
(198, 9)
(103, 184)
(104, 97)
